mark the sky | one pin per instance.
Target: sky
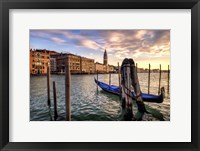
(143, 46)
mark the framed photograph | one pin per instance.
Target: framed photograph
(91, 75)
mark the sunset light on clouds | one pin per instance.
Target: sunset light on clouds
(144, 46)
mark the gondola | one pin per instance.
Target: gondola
(116, 90)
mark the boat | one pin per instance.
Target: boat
(117, 91)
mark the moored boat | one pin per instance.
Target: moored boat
(117, 91)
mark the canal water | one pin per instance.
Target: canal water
(86, 103)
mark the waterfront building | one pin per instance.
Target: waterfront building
(101, 68)
(140, 70)
(87, 65)
(60, 62)
(39, 61)
(77, 63)
(74, 62)
(111, 69)
(53, 64)
(41, 58)
(155, 70)
(105, 67)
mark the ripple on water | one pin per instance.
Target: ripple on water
(86, 103)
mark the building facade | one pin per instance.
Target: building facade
(39, 61)
(101, 68)
(60, 63)
(87, 65)
(53, 61)
(111, 69)
(78, 64)
(74, 62)
(53, 64)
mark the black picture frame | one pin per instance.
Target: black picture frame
(5, 5)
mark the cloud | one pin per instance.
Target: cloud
(90, 44)
(141, 34)
(57, 40)
(118, 43)
(139, 44)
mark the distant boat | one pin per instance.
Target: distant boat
(116, 90)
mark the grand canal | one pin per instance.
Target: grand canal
(86, 103)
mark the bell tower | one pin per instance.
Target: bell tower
(105, 58)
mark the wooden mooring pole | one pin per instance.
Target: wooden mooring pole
(97, 80)
(119, 75)
(168, 80)
(109, 78)
(136, 67)
(159, 80)
(67, 90)
(149, 78)
(55, 101)
(48, 86)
